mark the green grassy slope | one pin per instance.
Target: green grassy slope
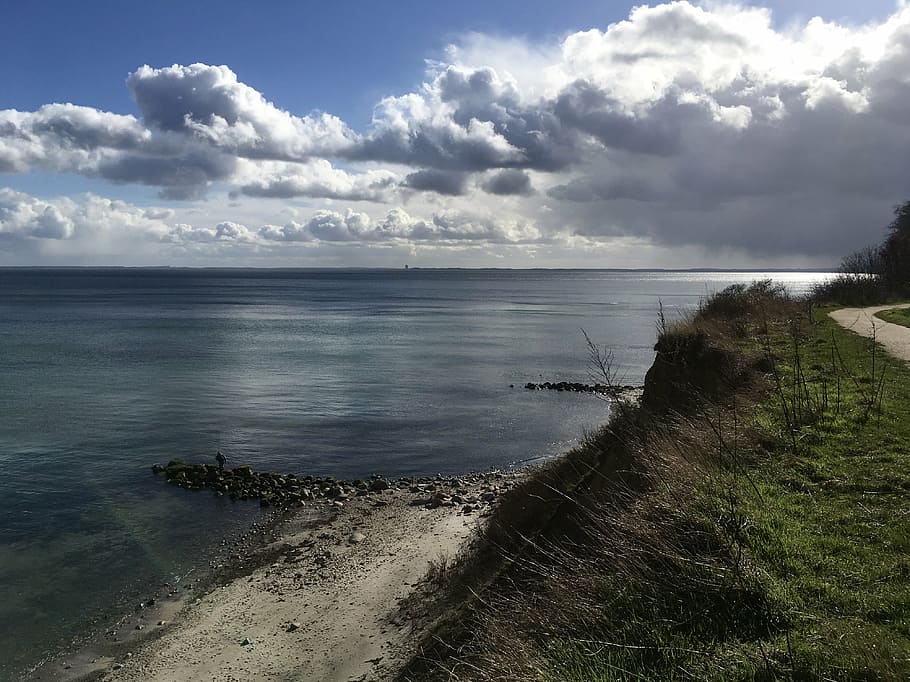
(900, 316)
(761, 534)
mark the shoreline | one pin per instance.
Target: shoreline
(155, 608)
(317, 595)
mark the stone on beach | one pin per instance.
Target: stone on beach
(286, 491)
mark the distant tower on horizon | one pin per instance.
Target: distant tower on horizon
(405, 266)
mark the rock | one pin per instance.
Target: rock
(292, 626)
(244, 471)
(356, 538)
(440, 499)
(246, 642)
(488, 496)
(467, 509)
(378, 485)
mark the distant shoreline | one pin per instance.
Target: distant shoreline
(413, 268)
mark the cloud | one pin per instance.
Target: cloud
(592, 188)
(211, 104)
(508, 182)
(683, 125)
(23, 216)
(317, 179)
(449, 183)
(64, 138)
(225, 232)
(445, 227)
(186, 175)
(88, 219)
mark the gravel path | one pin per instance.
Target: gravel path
(894, 337)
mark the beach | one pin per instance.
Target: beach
(335, 592)
(311, 373)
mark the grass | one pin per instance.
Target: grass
(831, 522)
(899, 316)
(764, 535)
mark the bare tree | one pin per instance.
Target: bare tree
(866, 262)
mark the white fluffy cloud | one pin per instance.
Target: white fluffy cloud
(27, 217)
(87, 221)
(448, 227)
(315, 179)
(680, 126)
(80, 229)
(208, 102)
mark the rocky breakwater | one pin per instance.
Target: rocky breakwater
(575, 387)
(471, 492)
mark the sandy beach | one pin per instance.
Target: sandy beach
(321, 600)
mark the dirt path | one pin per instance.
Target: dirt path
(894, 337)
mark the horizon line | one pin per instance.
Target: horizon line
(832, 269)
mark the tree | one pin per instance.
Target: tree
(895, 251)
(863, 263)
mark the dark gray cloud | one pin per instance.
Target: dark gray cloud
(467, 120)
(584, 189)
(449, 183)
(589, 109)
(508, 182)
(180, 177)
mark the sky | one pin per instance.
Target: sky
(470, 134)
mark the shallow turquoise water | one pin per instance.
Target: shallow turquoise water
(104, 372)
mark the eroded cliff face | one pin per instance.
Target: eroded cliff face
(688, 368)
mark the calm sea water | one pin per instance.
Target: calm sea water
(105, 372)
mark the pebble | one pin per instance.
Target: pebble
(284, 491)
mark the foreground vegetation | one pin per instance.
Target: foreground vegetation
(750, 521)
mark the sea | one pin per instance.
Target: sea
(104, 372)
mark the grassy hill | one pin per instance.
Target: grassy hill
(750, 520)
